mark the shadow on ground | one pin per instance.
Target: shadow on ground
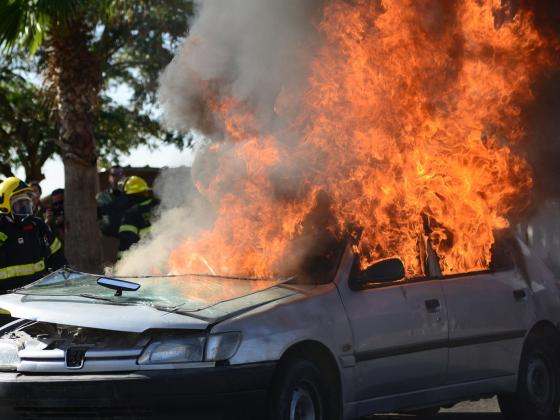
(442, 416)
(485, 409)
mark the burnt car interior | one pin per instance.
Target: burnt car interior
(389, 270)
(506, 255)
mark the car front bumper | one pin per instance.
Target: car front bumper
(204, 393)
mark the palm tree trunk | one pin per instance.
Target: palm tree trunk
(75, 73)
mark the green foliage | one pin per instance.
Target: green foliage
(26, 21)
(133, 41)
(28, 130)
(138, 41)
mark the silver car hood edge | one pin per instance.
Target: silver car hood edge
(95, 314)
(128, 318)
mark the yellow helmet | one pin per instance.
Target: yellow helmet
(135, 185)
(8, 190)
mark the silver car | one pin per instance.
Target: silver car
(346, 344)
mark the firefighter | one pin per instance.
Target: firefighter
(28, 248)
(136, 221)
(112, 203)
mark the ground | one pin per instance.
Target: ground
(479, 410)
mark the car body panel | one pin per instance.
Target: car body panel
(544, 285)
(130, 318)
(487, 324)
(414, 357)
(431, 397)
(315, 315)
(393, 328)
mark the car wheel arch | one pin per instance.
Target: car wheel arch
(541, 335)
(317, 353)
(545, 327)
(542, 328)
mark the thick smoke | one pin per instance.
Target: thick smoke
(182, 212)
(245, 49)
(541, 226)
(542, 145)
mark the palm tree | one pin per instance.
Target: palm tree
(74, 74)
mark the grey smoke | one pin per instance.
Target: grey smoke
(182, 213)
(251, 47)
(245, 49)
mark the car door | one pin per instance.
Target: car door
(489, 314)
(400, 335)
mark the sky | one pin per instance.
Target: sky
(169, 156)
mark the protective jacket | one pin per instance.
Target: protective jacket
(28, 249)
(136, 223)
(111, 206)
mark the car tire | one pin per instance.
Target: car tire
(301, 392)
(538, 386)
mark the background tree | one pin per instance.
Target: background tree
(29, 127)
(28, 131)
(89, 47)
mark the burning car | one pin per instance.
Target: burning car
(351, 343)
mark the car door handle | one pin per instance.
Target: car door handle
(519, 294)
(432, 305)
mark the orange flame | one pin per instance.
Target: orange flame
(407, 125)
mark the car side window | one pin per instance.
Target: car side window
(502, 259)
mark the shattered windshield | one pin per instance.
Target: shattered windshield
(190, 292)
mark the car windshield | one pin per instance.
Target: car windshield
(190, 292)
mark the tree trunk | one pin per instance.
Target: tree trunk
(33, 170)
(82, 239)
(75, 73)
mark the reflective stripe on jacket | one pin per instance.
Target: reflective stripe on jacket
(28, 249)
(22, 270)
(136, 224)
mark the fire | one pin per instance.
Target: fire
(406, 130)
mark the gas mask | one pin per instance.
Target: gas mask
(22, 206)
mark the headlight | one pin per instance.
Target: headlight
(173, 350)
(222, 346)
(191, 349)
(9, 359)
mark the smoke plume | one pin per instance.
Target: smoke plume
(401, 117)
(245, 49)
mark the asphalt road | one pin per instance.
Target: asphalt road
(479, 410)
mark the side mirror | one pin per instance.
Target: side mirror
(385, 271)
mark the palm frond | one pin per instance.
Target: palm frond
(26, 22)
(13, 16)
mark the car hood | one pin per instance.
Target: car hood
(132, 317)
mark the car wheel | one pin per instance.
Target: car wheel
(538, 388)
(301, 392)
